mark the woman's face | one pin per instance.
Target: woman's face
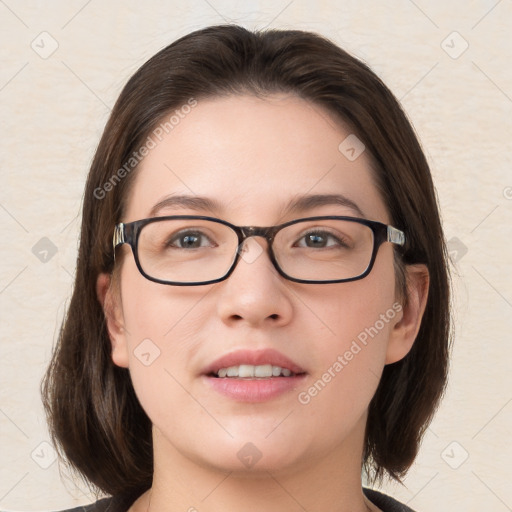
(252, 158)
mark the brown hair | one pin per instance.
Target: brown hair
(94, 415)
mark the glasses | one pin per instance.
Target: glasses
(188, 250)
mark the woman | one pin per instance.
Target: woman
(260, 310)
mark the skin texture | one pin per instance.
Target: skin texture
(253, 156)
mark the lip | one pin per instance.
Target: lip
(255, 358)
(253, 390)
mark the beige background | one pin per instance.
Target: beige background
(53, 109)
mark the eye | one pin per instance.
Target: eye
(320, 239)
(189, 240)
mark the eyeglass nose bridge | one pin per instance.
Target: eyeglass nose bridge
(264, 232)
(246, 232)
(268, 233)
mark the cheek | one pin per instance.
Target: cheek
(359, 313)
(349, 365)
(357, 320)
(350, 359)
(162, 324)
(155, 311)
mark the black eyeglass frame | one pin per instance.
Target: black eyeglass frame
(128, 233)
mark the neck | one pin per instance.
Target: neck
(331, 482)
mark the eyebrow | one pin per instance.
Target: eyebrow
(203, 204)
(297, 205)
(308, 202)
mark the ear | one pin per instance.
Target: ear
(111, 302)
(406, 329)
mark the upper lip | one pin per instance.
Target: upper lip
(255, 358)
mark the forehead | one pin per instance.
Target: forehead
(253, 156)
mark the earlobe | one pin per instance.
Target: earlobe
(406, 329)
(110, 301)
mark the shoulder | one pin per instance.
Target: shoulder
(116, 504)
(384, 502)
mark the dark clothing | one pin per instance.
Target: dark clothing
(385, 503)
(119, 504)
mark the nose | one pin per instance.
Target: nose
(255, 294)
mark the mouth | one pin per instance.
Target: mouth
(253, 364)
(249, 371)
(254, 376)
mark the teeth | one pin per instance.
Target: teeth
(248, 371)
(245, 370)
(233, 371)
(264, 370)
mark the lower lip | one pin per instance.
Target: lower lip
(254, 390)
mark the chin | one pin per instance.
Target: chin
(252, 462)
(248, 455)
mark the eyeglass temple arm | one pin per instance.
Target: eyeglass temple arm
(118, 237)
(395, 236)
